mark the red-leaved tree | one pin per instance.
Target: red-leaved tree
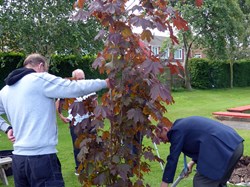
(137, 95)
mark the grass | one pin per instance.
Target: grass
(196, 102)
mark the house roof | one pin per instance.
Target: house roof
(156, 41)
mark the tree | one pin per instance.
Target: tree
(43, 26)
(217, 26)
(137, 96)
(243, 49)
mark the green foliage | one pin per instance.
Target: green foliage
(207, 74)
(218, 28)
(9, 62)
(44, 27)
(60, 65)
(241, 73)
(219, 74)
(200, 73)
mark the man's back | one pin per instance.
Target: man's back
(207, 142)
(32, 115)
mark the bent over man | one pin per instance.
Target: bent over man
(214, 147)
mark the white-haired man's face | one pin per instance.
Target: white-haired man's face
(79, 75)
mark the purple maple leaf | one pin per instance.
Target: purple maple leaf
(123, 170)
(136, 115)
(100, 34)
(149, 66)
(141, 22)
(98, 62)
(100, 111)
(159, 90)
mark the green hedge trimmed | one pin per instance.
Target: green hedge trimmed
(9, 62)
(206, 74)
(59, 65)
(242, 73)
(199, 70)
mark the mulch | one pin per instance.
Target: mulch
(241, 173)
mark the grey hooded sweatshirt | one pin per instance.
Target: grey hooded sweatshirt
(28, 100)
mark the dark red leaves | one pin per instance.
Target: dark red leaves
(180, 23)
(123, 170)
(100, 112)
(99, 61)
(151, 67)
(159, 90)
(136, 115)
(199, 3)
(146, 35)
(101, 178)
(139, 21)
(113, 8)
(115, 38)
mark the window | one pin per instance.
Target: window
(155, 50)
(178, 54)
(197, 55)
(166, 54)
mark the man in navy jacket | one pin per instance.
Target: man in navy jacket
(213, 146)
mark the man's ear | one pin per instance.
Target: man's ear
(165, 128)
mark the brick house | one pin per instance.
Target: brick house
(157, 42)
(155, 45)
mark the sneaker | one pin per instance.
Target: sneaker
(76, 173)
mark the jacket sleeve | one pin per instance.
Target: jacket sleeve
(176, 142)
(3, 124)
(56, 87)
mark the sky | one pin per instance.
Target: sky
(155, 32)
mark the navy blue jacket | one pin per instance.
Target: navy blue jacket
(209, 143)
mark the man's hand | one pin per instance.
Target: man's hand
(64, 119)
(190, 167)
(110, 83)
(164, 184)
(10, 136)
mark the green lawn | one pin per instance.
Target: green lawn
(197, 102)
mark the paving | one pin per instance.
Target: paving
(237, 124)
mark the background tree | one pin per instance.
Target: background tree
(244, 50)
(136, 95)
(43, 26)
(217, 26)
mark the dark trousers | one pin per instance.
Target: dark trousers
(37, 171)
(202, 181)
(75, 150)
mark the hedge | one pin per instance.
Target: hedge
(204, 73)
(60, 65)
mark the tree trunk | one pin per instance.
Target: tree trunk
(186, 72)
(231, 74)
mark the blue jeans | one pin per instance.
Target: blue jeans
(37, 171)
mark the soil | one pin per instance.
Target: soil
(241, 173)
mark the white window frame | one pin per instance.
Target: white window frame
(155, 50)
(197, 55)
(166, 53)
(178, 54)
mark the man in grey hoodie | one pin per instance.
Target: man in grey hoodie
(28, 100)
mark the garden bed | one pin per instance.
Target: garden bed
(241, 173)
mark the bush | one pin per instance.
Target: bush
(200, 73)
(60, 65)
(9, 62)
(241, 73)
